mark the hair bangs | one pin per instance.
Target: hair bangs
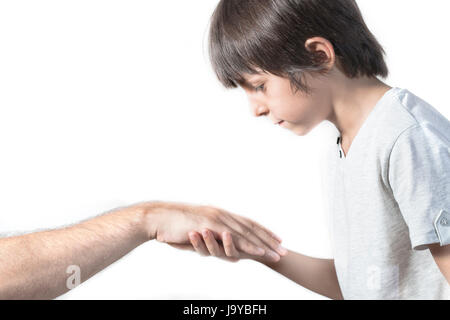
(232, 48)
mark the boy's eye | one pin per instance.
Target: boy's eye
(261, 87)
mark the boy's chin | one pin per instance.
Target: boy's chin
(300, 130)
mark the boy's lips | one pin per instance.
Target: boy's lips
(280, 123)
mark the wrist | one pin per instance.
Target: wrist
(147, 216)
(134, 218)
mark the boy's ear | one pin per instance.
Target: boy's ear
(323, 51)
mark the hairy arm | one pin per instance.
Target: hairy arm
(35, 265)
(41, 265)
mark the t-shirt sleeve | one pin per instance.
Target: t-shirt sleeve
(419, 175)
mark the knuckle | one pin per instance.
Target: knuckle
(213, 210)
(247, 232)
(227, 240)
(234, 254)
(198, 250)
(249, 246)
(215, 254)
(228, 251)
(207, 209)
(213, 214)
(274, 243)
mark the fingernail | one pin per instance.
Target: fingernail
(260, 251)
(205, 233)
(277, 237)
(282, 250)
(273, 255)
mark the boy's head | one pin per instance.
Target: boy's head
(286, 54)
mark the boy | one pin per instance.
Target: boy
(301, 62)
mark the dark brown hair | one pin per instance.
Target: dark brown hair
(270, 35)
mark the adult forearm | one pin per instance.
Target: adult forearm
(36, 265)
(318, 275)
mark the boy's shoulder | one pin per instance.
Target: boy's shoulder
(406, 113)
(400, 118)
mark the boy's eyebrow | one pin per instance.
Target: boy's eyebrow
(247, 81)
(254, 78)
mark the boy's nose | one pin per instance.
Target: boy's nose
(259, 111)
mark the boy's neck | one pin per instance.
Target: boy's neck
(352, 102)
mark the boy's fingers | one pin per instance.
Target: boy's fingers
(197, 243)
(212, 244)
(228, 245)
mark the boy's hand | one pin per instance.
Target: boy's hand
(205, 244)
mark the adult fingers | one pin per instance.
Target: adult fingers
(248, 234)
(264, 235)
(243, 241)
(270, 233)
(247, 246)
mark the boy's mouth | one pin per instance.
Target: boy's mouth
(281, 122)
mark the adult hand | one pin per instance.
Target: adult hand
(172, 222)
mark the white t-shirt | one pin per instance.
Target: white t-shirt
(388, 198)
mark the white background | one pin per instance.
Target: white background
(108, 103)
